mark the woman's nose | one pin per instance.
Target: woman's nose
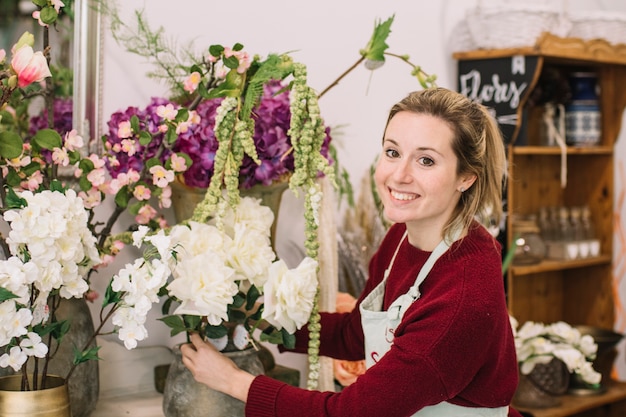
(402, 171)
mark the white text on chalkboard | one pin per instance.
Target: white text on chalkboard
(471, 86)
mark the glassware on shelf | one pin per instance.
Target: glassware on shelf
(529, 245)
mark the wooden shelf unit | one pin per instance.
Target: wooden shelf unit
(577, 291)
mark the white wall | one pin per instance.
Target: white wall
(326, 35)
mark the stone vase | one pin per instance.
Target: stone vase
(184, 397)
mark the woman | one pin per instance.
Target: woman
(432, 322)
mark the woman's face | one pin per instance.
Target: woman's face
(416, 175)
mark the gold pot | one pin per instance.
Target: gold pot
(53, 401)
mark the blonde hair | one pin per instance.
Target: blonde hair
(478, 146)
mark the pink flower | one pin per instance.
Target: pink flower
(165, 199)
(141, 192)
(33, 182)
(60, 156)
(145, 214)
(124, 130)
(179, 164)
(37, 15)
(57, 4)
(129, 146)
(3, 54)
(192, 82)
(167, 112)
(91, 198)
(73, 140)
(29, 66)
(161, 177)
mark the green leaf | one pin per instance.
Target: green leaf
(12, 178)
(171, 136)
(251, 297)
(192, 322)
(175, 323)
(6, 295)
(145, 138)
(11, 145)
(123, 196)
(47, 139)
(289, 340)
(74, 157)
(152, 162)
(56, 185)
(86, 165)
(134, 123)
(84, 183)
(216, 50)
(272, 336)
(110, 296)
(377, 45)
(48, 15)
(182, 115)
(238, 300)
(215, 332)
(85, 356)
(134, 208)
(14, 201)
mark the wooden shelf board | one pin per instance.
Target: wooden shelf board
(573, 404)
(555, 150)
(551, 46)
(555, 265)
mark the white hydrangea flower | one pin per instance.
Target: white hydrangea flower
(289, 294)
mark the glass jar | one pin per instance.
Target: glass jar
(529, 246)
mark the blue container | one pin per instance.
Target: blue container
(582, 113)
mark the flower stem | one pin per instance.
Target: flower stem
(346, 72)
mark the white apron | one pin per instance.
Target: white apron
(379, 327)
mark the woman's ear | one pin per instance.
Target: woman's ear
(466, 182)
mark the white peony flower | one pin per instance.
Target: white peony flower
(250, 214)
(251, 255)
(204, 286)
(289, 294)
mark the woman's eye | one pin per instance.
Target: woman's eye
(392, 153)
(426, 161)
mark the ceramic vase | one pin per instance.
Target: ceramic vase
(543, 386)
(184, 397)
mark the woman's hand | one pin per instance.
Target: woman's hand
(216, 371)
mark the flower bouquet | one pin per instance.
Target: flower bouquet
(256, 122)
(53, 241)
(537, 343)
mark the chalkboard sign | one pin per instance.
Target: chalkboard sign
(502, 84)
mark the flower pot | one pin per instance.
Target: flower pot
(184, 397)
(542, 387)
(186, 198)
(84, 383)
(50, 402)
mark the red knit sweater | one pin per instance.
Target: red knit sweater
(454, 344)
